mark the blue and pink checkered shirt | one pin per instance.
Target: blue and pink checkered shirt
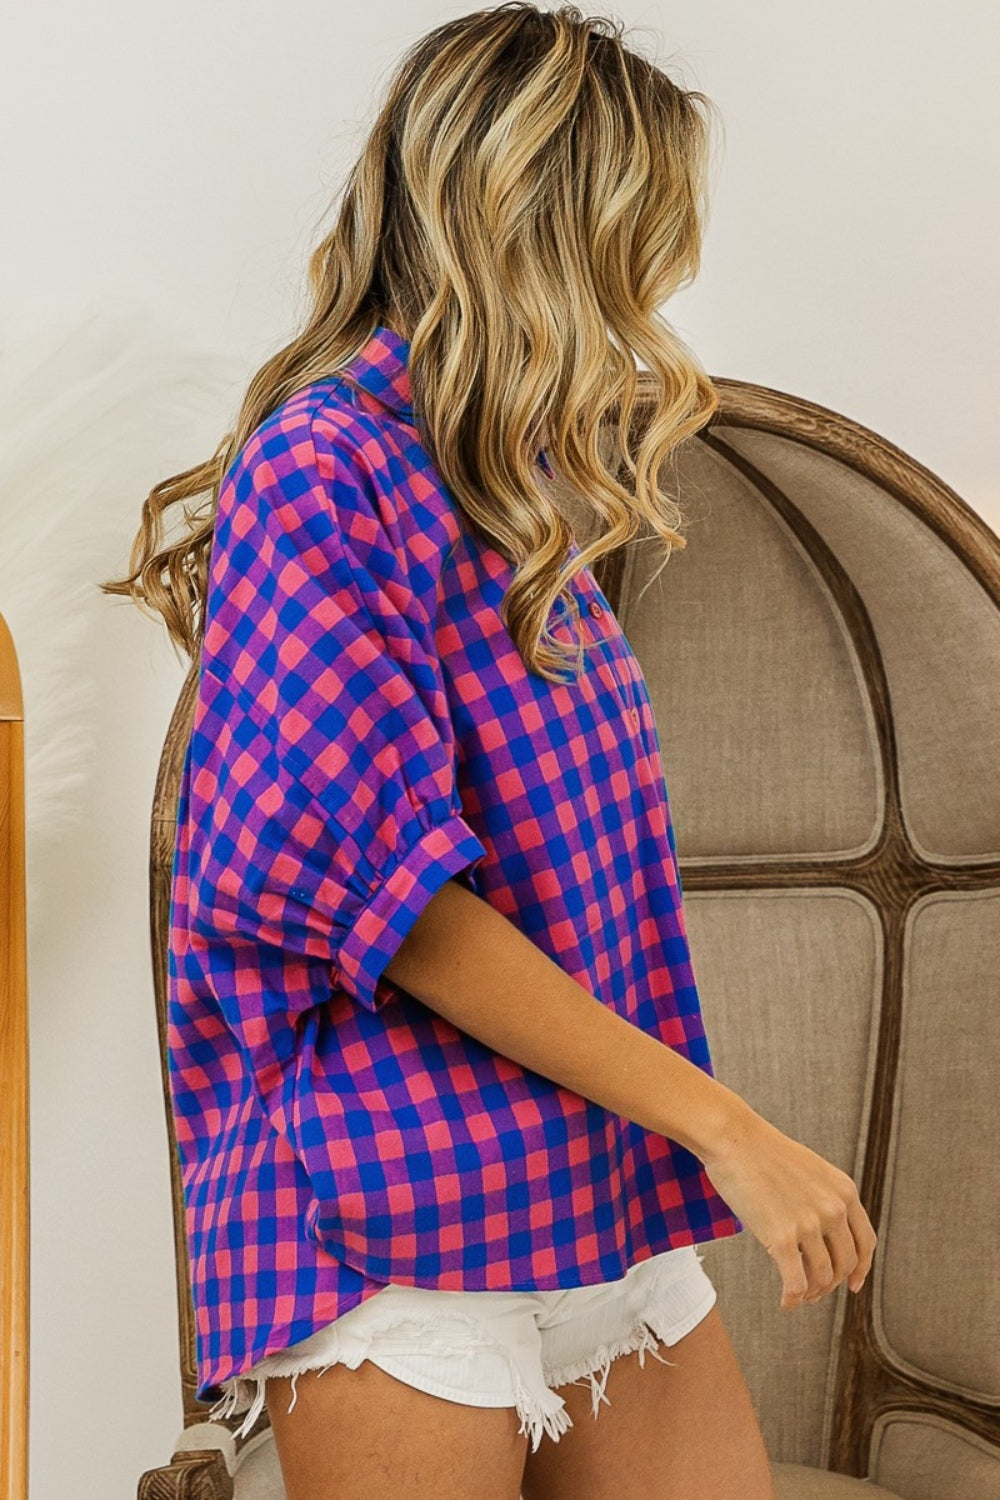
(365, 730)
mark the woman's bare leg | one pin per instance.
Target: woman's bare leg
(687, 1431)
(364, 1435)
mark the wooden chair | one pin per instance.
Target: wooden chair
(824, 659)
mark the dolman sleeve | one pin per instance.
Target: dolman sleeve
(325, 811)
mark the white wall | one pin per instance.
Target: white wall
(168, 169)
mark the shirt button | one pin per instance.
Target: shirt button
(635, 716)
(595, 609)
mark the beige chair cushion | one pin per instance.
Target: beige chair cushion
(799, 1482)
(257, 1473)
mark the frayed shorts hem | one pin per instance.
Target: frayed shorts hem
(492, 1349)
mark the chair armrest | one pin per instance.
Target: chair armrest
(201, 1468)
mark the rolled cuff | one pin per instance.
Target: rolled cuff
(378, 930)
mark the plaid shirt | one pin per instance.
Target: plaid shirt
(365, 730)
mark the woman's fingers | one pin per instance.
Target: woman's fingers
(807, 1268)
(850, 1237)
(828, 1259)
(788, 1258)
(819, 1266)
(865, 1238)
(838, 1247)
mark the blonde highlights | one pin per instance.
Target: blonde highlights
(531, 191)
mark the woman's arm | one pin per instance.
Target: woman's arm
(466, 961)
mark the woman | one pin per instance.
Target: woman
(446, 1113)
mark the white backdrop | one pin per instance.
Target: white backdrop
(167, 170)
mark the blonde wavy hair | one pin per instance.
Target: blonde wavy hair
(531, 191)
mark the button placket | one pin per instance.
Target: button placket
(599, 612)
(601, 633)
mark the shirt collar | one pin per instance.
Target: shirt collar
(381, 367)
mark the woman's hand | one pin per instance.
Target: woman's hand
(806, 1212)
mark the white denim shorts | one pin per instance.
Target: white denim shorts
(498, 1348)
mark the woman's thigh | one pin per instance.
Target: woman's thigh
(364, 1435)
(683, 1431)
